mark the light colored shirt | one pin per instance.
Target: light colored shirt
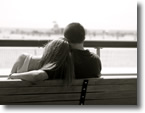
(25, 65)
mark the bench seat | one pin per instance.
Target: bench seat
(99, 91)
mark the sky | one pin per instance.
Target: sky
(92, 14)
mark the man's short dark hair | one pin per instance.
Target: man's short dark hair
(75, 33)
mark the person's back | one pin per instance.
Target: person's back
(86, 64)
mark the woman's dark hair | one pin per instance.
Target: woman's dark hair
(75, 33)
(57, 54)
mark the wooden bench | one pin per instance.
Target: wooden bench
(102, 91)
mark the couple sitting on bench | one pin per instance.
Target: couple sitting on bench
(63, 58)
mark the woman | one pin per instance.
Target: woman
(55, 63)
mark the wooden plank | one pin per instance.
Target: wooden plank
(37, 98)
(93, 81)
(52, 89)
(43, 103)
(111, 95)
(121, 101)
(67, 96)
(14, 83)
(39, 90)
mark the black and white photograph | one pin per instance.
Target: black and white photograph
(68, 52)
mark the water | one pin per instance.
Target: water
(114, 60)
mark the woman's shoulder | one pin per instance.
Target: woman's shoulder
(23, 56)
(21, 62)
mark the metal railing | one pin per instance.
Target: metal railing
(94, 44)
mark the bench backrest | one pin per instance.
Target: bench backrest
(98, 92)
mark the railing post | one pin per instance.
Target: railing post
(98, 51)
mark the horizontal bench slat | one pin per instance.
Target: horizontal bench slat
(43, 103)
(121, 101)
(43, 98)
(73, 89)
(112, 94)
(62, 97)
(47, 83)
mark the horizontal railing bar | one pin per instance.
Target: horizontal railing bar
(88, 43)
(103, 44)
(102, 75)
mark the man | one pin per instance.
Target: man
(86, 64)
